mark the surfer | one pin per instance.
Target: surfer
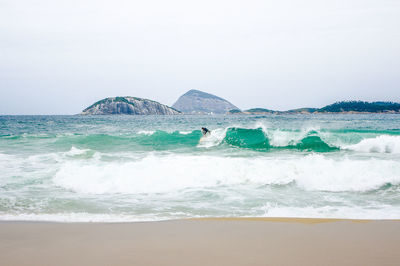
(205, 131)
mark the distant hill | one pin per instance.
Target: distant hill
(198, 102)
(338, 107)
(234, 111)
(305, 110)
(258, 110)
(359, 106)
(261, 111)
(128, 106)
(252, 111)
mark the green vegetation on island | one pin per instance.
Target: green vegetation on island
(198, 102)
(234, 111)
(259, 110)
(362, 107)
(338, 107)
(128, 106)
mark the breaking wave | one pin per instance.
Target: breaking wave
(380, 144)
(140, 168)
(259, 139)
(161, 174)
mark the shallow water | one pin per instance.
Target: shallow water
(135, 168)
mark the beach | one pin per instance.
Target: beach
(140, 190)
(207, 133)
(225, 241)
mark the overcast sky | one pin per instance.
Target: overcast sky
(58, 57)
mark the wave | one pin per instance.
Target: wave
(146, 132)
(156, 140)
(259, 139)
(384, 212)
(380, 144)
(162, 174)
(337, 212)
(79, 217)
(247, 138)
(75, 151)
(304, 140)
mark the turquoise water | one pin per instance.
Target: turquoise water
(146, 168)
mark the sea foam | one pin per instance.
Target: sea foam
(140, 168)
(160, 174)
(379, 144)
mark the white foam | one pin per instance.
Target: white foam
(213, 139)
(283, 138)
(280, 138)
(264, 125)
(8, 167)
(276, 137)
(159, 174)
(185, 132)
(75, 151)
(380, 144)
(269, 210)
(79, 217)
(5, 157)
(146, 132)
(337, 212)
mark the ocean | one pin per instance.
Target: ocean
(151, 168)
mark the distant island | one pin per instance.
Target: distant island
(361, 107)
(348, 107)
(129, 106)
(198, 102)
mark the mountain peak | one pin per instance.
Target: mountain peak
(201, 94)
(196, 101)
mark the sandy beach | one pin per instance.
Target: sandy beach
(253, 241)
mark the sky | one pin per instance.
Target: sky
(58, 57)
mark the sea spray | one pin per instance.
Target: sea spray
(379, 144)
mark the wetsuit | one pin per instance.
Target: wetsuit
(205, 131)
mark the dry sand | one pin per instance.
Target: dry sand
(255, 241)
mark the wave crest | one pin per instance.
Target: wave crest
(161, 174)
(379, 144)
(260, 139)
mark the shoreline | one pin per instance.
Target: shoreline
(301, 220)
(202, 241)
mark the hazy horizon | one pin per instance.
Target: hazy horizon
(170, 105)
(59, 57)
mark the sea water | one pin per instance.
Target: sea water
(148, 168)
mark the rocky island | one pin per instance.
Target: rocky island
(128, 106)
(198, 102)
(343, 107)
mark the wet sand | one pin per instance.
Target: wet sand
(253, 241)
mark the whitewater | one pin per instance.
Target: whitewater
(151, 168)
